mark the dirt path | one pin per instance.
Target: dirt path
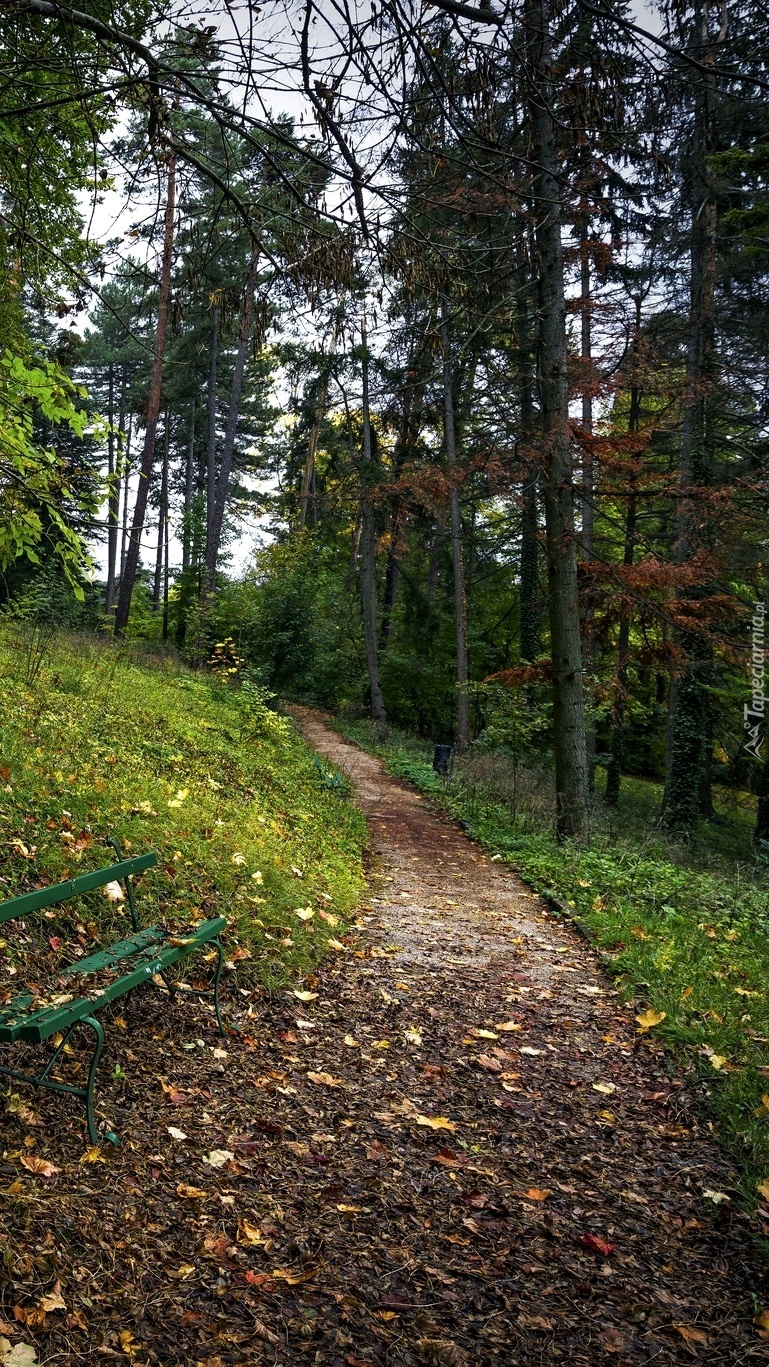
(457, 1151)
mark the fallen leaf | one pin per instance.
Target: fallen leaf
(537, 1193)
(350, 1210)
(597, 1245)
(114, 892)
(218, 1157)
(649, 1019)
(483, 1034)
(534, 1322)
(93, 1155)
(21, 1355)
(689, 1334)
(715, 1196)
(492, 1065)
(509, 1025)
(606, 1088)
(441, 1353)
(304, 913)
(412, 1035)
(306, 996)
(325, 1080)
(190, 1193)
(250, 1234)
(175, 1133)
(527, 1049)
(182, 1273)
(763, 1188)
(351, 1042)
(293, 1277)
(54, 1300)
(761, 1321)
(436, 1122)
(40, 1166)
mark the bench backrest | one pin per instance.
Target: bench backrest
(31, 902)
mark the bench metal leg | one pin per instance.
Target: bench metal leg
(85, 1093)
(88, 1091)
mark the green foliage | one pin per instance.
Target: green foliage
(98, 743)
(35, 485)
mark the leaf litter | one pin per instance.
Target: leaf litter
(336, 1202)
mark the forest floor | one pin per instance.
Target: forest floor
(453, 1147)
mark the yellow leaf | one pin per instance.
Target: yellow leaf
(412, 1035)
(718, 1062)
(763, 1188)
(351, 1042)
(305, 913)
(537, 1193)
(649, 1019)
(350, 1210)
(250, 1234)
(182, 1273)
(93, 1155)
(336, 944)
(605, 1087)
(761, 1321)
(306, 996)
(484, 1034)
(190, 1193)
(436, 1122)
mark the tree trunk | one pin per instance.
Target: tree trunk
(460, 597)
(617, 737)
(687, 789)
(216, 520)
(128, 578)
(126, 481)
(588, 478)
(189, 489)
(162, 521)
(571, 782)
(368, 555)
(211, 407)
(528, 623)
(113, 498)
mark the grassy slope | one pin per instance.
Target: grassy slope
(229, 800)
(692, 941)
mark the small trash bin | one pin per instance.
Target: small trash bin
(442, 759)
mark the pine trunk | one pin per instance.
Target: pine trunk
(368, 556)
(460, 596)
(571, 780)
(113, 498)
(216, 519)
(128, 578)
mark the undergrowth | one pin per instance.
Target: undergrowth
(683, 932)
(94, 742)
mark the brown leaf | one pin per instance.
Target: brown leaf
(492, 1065)
(325, 1080)
(534, 1322)
(40, 1166)
(690, 1334)
(190, 1193)
(537, 1193)
(54, 1300)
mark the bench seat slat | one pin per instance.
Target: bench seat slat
(123, 949)
(149, 959)
(30, 902)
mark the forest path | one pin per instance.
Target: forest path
(563, 1215)
(451, 1149)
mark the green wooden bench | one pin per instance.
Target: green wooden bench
(78, 992)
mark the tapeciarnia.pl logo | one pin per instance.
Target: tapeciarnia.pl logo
(755, 711)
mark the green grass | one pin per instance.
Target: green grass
(684, 930)
(94, 741)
